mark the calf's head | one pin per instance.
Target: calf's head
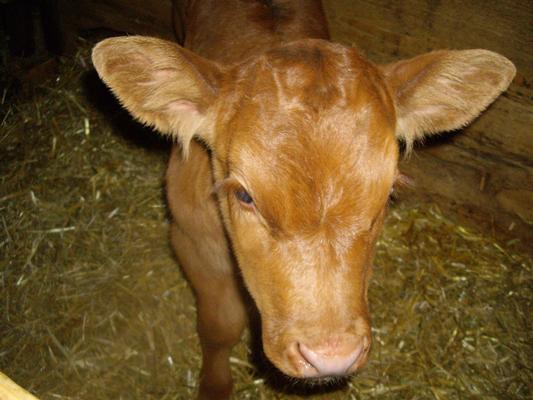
(304, 150)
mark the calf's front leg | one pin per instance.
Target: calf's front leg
(221, 314)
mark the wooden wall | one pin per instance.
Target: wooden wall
(83, 17)
(487, 169)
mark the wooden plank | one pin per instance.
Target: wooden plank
(502, 26)
(153, 18)
(9, 390)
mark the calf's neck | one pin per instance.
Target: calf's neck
(286, 153)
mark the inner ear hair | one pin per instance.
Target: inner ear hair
(161, 84)
(444, 90)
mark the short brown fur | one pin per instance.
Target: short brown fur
(287, 154)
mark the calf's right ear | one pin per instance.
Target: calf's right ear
(161, 84)
(444, 90)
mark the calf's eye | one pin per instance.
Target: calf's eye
(244, 197)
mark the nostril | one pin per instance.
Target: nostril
(327, 361)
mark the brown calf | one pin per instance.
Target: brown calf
(287, 154)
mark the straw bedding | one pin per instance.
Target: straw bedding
(94, 306)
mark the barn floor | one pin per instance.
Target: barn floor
(93, 305)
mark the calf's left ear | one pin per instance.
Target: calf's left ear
(161, 84)
(444, 90)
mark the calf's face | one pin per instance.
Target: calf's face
(306, 161)
(304, 150)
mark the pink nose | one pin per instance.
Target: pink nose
(330, 360)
